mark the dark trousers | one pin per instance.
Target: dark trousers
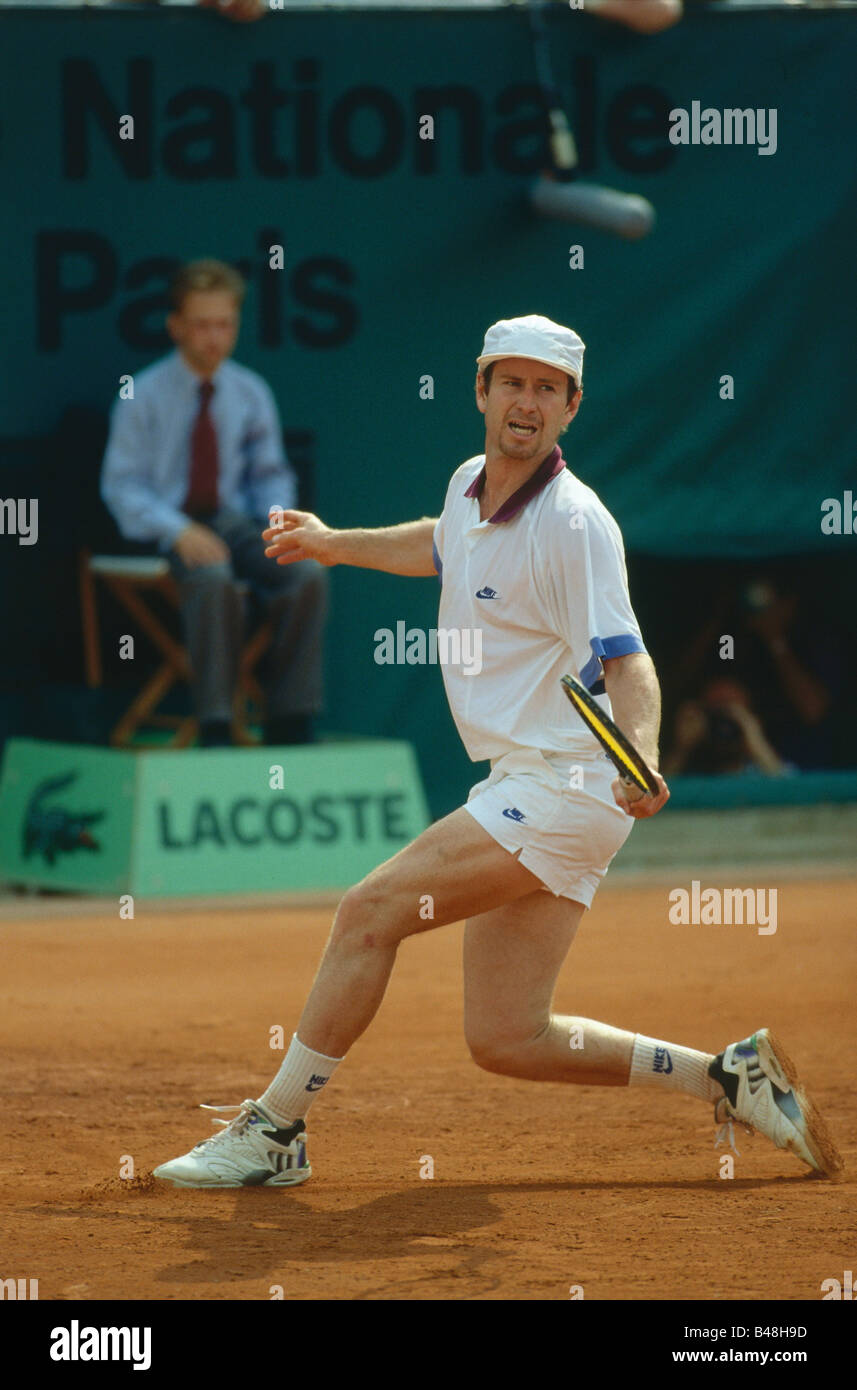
(294, 597)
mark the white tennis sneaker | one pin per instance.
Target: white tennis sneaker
(250, 1151)
(763, 1093)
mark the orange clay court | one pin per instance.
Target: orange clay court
(114, 1032)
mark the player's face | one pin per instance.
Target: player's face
(525, 408)
(205, 329)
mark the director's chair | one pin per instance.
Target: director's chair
(133, 580)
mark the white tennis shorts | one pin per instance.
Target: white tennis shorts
(560, 815)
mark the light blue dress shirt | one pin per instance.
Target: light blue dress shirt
(146, 470)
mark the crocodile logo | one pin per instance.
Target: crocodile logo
(51, 830)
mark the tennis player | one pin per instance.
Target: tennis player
(530, 559)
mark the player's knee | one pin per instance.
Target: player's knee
(349, 914)
(503, 1052)
(492, 1054)
(363, 917)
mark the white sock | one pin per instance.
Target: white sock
(655, 1063)
(292, 1091)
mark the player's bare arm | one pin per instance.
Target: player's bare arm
(405, 549)
(632, 684)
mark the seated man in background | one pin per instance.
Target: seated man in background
(193, 463)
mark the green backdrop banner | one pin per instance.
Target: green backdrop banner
(304, 132)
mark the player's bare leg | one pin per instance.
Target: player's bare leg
(514, 949)
(512, 957)
(464, 872)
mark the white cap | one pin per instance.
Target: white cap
(538, 339)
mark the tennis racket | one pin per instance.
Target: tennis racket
(632, 768)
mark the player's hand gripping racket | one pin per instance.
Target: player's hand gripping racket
(632, 768)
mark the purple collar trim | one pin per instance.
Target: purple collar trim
(547, 469)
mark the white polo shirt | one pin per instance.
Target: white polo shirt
(544, 582)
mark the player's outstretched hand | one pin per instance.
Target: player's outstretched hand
(640, 804)
(297, 536)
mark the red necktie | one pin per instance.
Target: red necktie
(202, 488)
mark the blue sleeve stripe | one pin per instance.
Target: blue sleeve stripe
(438, 563)
(607, 648)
